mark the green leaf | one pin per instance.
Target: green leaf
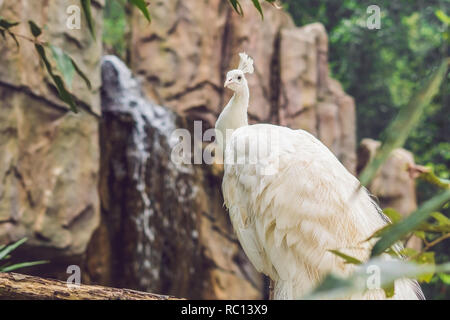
(428, 227)
(409, 224)
(445, 278)
(431, 177)
(389, 290)
(392, 252)
(64, 95)
(237, 7)
(420, 234)
(141, 5)
(15, 39)
(379, 232)
(86, 5)
(41, 51)
(335, 287)
(329, 284)
(5, 251)
(426, 258)
(35, 30)
(398, 131)
(347, 258)
(441, 219)
(408, 252)
(67, 66)
(393, 214)
(442, 16)
(64, 64)
(22, 265)
(258, 7)
(7, 24)
(81, 74)
(3, 266)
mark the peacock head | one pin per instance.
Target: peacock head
(236, 78)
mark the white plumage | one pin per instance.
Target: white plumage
(290, 201)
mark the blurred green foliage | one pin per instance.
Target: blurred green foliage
(382, 69)
(115, 28)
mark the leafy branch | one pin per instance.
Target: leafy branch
(65, 65)
(429, 245)
(397, 231)
(427, 174)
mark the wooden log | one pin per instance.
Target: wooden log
(14, 286)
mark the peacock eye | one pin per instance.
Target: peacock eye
(239, 77)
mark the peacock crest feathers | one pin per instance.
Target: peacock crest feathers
(245, 63)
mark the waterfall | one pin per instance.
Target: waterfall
(150, 199)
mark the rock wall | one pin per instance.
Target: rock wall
(49, 157)
(392, 185)
(182, 59)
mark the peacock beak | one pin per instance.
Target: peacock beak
(227, 82)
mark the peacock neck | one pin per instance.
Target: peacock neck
(240, 100)
(234, 115)
(238, 106)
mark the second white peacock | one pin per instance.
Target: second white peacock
(290, 200)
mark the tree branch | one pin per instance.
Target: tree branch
(17, 286)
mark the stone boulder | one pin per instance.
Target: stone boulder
(392, 184)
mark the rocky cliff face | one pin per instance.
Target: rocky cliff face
(184, 56)
(49, 157)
